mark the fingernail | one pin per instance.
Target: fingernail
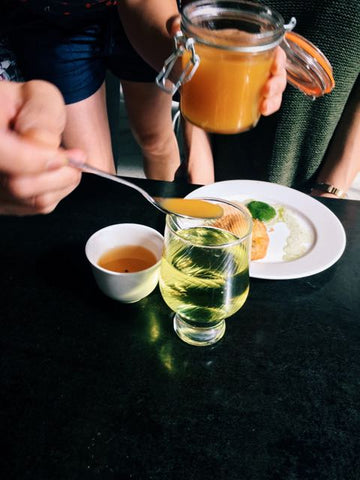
(76, 154)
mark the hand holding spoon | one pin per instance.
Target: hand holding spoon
(192, 208)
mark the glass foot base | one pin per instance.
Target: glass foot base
(198, 336)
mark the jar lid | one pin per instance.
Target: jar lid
(307, 67)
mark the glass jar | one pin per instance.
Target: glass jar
(227, 50)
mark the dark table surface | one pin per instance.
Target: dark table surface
(94, 389)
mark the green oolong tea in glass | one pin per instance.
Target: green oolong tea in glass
(204, 274)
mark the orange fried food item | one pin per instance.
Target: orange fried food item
(260, 240)
(237, 225)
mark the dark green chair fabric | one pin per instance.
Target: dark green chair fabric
(289, 146)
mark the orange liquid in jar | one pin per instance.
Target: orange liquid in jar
(127, 259)
(225, 92)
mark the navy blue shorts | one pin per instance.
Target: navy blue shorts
(74, 54)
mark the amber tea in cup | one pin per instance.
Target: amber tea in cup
(127, 259)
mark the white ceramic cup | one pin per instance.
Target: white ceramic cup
(125, 287)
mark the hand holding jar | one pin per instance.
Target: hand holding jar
(232, 68)
(270, 95)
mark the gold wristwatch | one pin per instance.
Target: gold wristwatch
(327, 188)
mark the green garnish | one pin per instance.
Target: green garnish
(261, 210)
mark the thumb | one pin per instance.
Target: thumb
(42, 114)
(36, 110)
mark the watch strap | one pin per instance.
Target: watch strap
(326, 187)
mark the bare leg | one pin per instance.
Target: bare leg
(149, 113)
(87, 127)
(197, 149)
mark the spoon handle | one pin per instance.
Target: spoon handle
(187, 208)
(85, 167)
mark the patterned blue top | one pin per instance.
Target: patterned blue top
(67, 7)
(8, 69)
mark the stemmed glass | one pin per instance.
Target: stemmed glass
(204, 273)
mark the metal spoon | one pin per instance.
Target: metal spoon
(191, 208)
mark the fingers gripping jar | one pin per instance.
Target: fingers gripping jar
(235, 42)
(227, 50)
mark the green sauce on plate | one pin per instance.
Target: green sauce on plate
(261, 210)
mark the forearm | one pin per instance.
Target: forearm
(342, 161)
(146, 23)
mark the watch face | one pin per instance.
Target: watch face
(324, 187)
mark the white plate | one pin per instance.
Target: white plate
(325, 234)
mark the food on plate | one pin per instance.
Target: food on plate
(259, 241)
(261, 210)
(237, 225)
